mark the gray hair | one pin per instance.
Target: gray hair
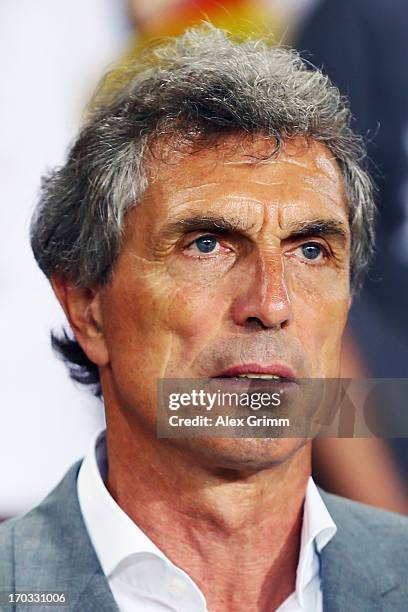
(196, 87)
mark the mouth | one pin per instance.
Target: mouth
(255, 371)
(274, 375)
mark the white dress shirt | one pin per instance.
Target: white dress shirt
(143, 579)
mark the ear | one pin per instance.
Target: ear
(82, 307)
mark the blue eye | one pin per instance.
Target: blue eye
(206, 244)
(312, 250)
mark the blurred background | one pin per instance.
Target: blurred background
(53, 54)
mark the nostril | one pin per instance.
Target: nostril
(255, 322)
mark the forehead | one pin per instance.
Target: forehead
(242, 178)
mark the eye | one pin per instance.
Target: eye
(205, 245)
(313, 251)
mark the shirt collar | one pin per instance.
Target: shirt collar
(113, 533)
(318, 528)
(103, 517)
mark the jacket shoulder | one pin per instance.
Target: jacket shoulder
(371, 515)
(38, 533)
(364, 564)
(6, 554)
(381, 529)
(49, 549)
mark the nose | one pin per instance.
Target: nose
(263, 298)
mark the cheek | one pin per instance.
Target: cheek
(135, 312)
(195, 318)
(319, 316)
(158, 327)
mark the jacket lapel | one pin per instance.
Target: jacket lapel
(352, 577)
(96, 596)
(61, 557)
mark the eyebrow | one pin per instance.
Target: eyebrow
(318, 227)
(219, 224)
(207, 222)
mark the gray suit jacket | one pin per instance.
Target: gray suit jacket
(364, 568)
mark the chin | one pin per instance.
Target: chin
(241, 454)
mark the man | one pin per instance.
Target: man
(210, 222)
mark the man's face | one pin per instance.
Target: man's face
(228, 261)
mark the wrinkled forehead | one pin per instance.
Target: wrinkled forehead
(248, 174)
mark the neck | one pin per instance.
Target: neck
(235, 532)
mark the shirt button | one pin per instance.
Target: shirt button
(177, 587)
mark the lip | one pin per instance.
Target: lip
(275, 369)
